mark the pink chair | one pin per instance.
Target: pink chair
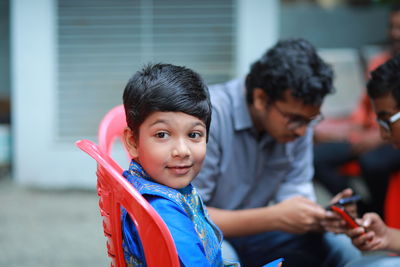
(115, 191)
(111, 127)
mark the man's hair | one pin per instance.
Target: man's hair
(165, 87)
(291, 64)
(386, 80)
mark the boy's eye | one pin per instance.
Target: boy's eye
(195, 135)
(161, 135)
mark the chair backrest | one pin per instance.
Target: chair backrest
(111, 127)
(115, 191)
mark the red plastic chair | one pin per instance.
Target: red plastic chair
(111, 127)
(115, 191)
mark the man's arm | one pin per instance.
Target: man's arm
(294, 215)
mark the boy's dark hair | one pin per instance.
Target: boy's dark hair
(386, 80)
(165, 87)
(291, 64)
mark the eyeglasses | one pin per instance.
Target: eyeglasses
(387, 124)
(294, 123)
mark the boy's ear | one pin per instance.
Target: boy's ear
(130, 142)
(260, 99)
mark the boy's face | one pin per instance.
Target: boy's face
(171, 147)
(385, 107)
(285, 120)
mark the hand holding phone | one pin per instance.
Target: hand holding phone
(350, 221)
(339, 208)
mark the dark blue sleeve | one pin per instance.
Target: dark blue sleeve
(188, 245)
(131, 241)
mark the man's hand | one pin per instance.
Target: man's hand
(299, 215)
(333, 222)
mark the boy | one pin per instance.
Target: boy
(168, 113)
(384, 92)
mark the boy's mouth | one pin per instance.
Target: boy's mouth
(179, 169)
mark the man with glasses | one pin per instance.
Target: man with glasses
(295, 121)
(256, 178)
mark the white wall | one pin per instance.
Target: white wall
(38, 159)
(258, 30)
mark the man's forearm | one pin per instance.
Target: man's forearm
(235, 223)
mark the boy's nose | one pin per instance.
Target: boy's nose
(180, 149)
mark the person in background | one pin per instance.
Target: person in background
(257, 176)
(356, 138)
(374, 234)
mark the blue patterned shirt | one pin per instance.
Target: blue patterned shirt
(197, 239)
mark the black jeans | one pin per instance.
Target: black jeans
(305, 250)
(328, 157)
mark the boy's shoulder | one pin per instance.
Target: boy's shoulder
(145, 186)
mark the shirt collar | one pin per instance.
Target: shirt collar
(242, 119)
(136, 169)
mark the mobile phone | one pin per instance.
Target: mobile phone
(348, 200)
(350, 221)
(274, 263)
(344, 201)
